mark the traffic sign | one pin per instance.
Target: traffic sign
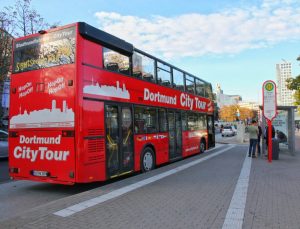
(269, 100)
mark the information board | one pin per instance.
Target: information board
(269, 100)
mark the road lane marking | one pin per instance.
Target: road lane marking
(235, 213)
(116, 193)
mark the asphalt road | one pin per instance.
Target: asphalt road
(17, 197)
(4, 170)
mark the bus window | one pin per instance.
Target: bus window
(200, 87)
(52, 49)
(162, 119)
(143, 67)
(178, 80)
(190, 84)
(201, 122)
(112, 130)
(192, 121)
(145, 120)
(115, 61)
(184, 121)
(163, 74)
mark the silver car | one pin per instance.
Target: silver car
(3, 144)
(228, 131)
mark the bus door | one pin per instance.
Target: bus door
(119, 139)
(211, 131)
(175, 135)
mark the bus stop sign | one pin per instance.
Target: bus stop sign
(269, 110)
(269, 100)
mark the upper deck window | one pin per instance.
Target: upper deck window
(190, 84)
(200, 89)
(115, 61)
(47, 50)
(163, 74)
(178, 80)
(143, 67)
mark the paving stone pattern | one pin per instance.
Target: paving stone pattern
(197, 197)
(274, 193)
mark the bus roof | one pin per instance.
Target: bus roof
(113, 42)
(99, 36)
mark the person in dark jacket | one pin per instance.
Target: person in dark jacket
(258, 139)
(267, 134)
(281, 136)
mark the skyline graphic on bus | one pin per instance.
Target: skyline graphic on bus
(54, 117)
(106, 90)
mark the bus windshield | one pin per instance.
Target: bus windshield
(47, 50)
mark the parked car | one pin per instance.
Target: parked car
(3, 144)
(229, 131)
(4, 122)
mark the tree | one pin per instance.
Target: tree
(229, 113)
(15, 21)
(294, 84)
(5, 51)
(28, 20)
(247, 113)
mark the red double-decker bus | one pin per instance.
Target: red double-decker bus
(87, 106)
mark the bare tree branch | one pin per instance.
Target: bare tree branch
(15, 21)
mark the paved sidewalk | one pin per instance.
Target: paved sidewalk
(274, 192)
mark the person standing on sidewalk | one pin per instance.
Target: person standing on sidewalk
(267, 134)
(253, 135)
(258, 140)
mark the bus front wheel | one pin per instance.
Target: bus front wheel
(202, 146)
(148, 160)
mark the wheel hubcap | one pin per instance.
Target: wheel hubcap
(148, 161)
(202, 147)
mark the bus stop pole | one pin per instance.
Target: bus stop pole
(270, 141)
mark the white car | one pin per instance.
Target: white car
(3, 144)
(229, 131)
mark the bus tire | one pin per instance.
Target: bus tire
(147, 160)
(202, 146)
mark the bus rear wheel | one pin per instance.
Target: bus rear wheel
(148, 160)
(202, 146)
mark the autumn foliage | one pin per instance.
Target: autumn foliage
(230, 113)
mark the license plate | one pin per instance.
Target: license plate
(40, 173)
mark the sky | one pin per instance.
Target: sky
(235, 43)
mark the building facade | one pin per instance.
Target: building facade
(226, 100)
(284, 95)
